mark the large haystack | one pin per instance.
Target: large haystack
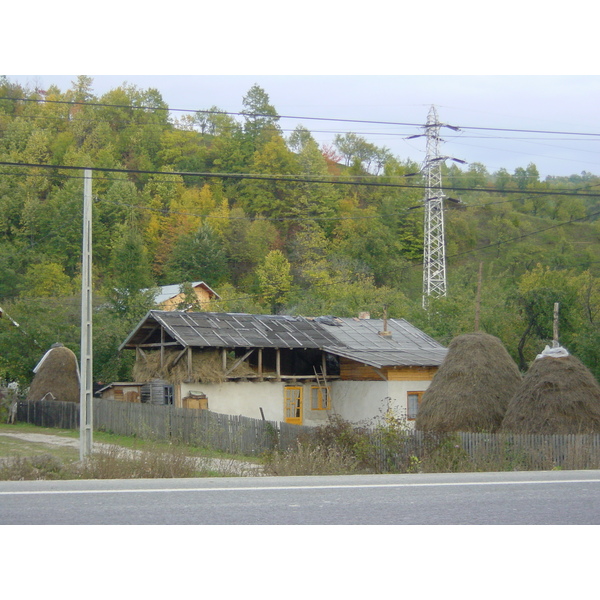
(56, 376)
(472, 387)
(557, 396)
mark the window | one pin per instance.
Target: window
(292, 397)
(413, 400)
(319, 398)
(168, 394)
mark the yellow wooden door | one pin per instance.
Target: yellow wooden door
(293, 405)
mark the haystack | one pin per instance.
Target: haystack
(207, 367)
(558, 395)
(472, 387)
(56, 376)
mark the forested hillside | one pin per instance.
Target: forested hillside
(273, 223)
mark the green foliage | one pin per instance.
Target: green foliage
(447, 456)
(275, 280)
(199, 255)
(41, 323)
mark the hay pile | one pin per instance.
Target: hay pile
(557, 396)
(207, 367)
(57, 376)
(472, 387)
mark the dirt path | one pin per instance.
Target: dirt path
(228, 466)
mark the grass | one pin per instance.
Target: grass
(121, 458)
(310, 459)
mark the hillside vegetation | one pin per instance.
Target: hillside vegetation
(273, 223)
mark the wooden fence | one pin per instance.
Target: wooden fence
(409, 451)
(228, 433)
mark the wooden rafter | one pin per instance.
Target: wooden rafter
(239, 362)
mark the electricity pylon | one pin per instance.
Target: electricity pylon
(434, 250)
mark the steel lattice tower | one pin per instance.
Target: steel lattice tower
(434, 250)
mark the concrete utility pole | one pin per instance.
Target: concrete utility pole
(86, 377)
(434, 251)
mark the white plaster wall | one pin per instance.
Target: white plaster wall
(354, 401)
(246, 399)
(242, 398)
(360, 401)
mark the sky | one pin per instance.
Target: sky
(562, 105)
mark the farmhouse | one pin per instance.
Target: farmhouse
(283, 368)
(171, 297)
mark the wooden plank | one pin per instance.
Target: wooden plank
(238, 362)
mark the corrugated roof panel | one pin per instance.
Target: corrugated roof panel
(353, 338)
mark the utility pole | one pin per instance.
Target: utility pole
(434, 251)
(555, 343)
(478, 299)
(85, 384)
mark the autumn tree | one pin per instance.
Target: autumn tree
(196, 256)
(275, 280)
(261, 118)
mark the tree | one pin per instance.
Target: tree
(312, 200)
(300, 138)
(129, 263)
(275, 280)
(46, 280)
(311, 253)
(535, 297)
(197, 256)
(503, 179)
(272, 198)
(350, 146)
(260, 116)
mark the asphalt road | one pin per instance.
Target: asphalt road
(522, 498)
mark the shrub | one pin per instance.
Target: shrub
(43, 466)
(310, 459)
(117, 463)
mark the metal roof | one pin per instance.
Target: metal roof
(406, 345)
(166, 292)
(358, 339)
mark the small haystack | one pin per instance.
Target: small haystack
(472, 387)
(558, 395)
(207, 367)
(56, 376)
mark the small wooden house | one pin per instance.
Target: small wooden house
(171, 297)
(121, 392)
(285, 368)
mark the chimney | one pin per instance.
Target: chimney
(364, 315)
(385, 332)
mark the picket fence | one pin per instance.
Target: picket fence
(244, 435)
(228, 433)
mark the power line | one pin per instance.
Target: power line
(525, 235)
(296, 179)
(296, 117)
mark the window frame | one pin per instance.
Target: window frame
(316, 402)
(419, 396)
(169, 395)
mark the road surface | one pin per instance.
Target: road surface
(521, 498)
